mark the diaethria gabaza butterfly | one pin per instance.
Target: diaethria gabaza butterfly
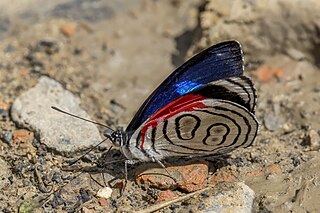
(205, 107)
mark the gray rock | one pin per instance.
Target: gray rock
(59, 132)
(262, 28)
(5, 173)
(228, 197)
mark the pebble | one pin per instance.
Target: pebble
(313, 138)
(225, 197)
(6, 136)
(59, 132)
(68, 30)
(22, 135)
(166, 195)
(104, 192)
(189, 178)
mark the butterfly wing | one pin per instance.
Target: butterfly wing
(219, 127)
(217, 62)
(215, 118)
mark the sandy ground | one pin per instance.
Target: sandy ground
(112, 54)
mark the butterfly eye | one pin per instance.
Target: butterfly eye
(108, 134)
(116, 137)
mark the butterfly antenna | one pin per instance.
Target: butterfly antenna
(81, 118)
(75, 161)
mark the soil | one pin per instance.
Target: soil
(112, 54)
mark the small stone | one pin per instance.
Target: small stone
(6, 136)
(64, 134)
(104, 192)
(189, 178)
(67, 30)
(313, 138)
(166, 195)
(102, 202)
(228, 197)
(223, 176)
(23, 136)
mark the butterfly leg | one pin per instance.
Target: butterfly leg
(126, 162)
(164, 167)
(125, 177)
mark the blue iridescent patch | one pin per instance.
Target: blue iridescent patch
(186, 86)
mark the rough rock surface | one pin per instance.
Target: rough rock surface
(264, 27)
(59, 132)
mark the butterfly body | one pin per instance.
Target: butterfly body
(205, 107)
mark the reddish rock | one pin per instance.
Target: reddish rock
(222, 176)
(22, 135)
(103, 202)
(189, 177)
(194, 176)
(166, 195)
(67, 30)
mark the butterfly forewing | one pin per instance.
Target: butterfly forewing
(219, 61)
(236, 89)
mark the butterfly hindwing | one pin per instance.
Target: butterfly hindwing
(217, 62)
(220, 127)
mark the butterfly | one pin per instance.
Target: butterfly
(205, 107)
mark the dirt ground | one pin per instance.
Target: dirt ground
(112, 54)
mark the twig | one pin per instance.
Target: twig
(169, 202)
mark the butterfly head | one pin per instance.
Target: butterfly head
(117, 137)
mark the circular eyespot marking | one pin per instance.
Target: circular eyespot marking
(216, 134)
(186, 126)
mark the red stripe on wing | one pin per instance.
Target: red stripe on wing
(185, 103)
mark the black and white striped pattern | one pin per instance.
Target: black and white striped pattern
(225, 123)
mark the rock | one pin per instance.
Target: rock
(6, 136)
(5, 173)
(222, 176)
(313, 139)
(59, 132)
(166, 195)
(247, 21)
(104, 192)
(189, 178)
(68, 30)
(225, 197)
(23, 136)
